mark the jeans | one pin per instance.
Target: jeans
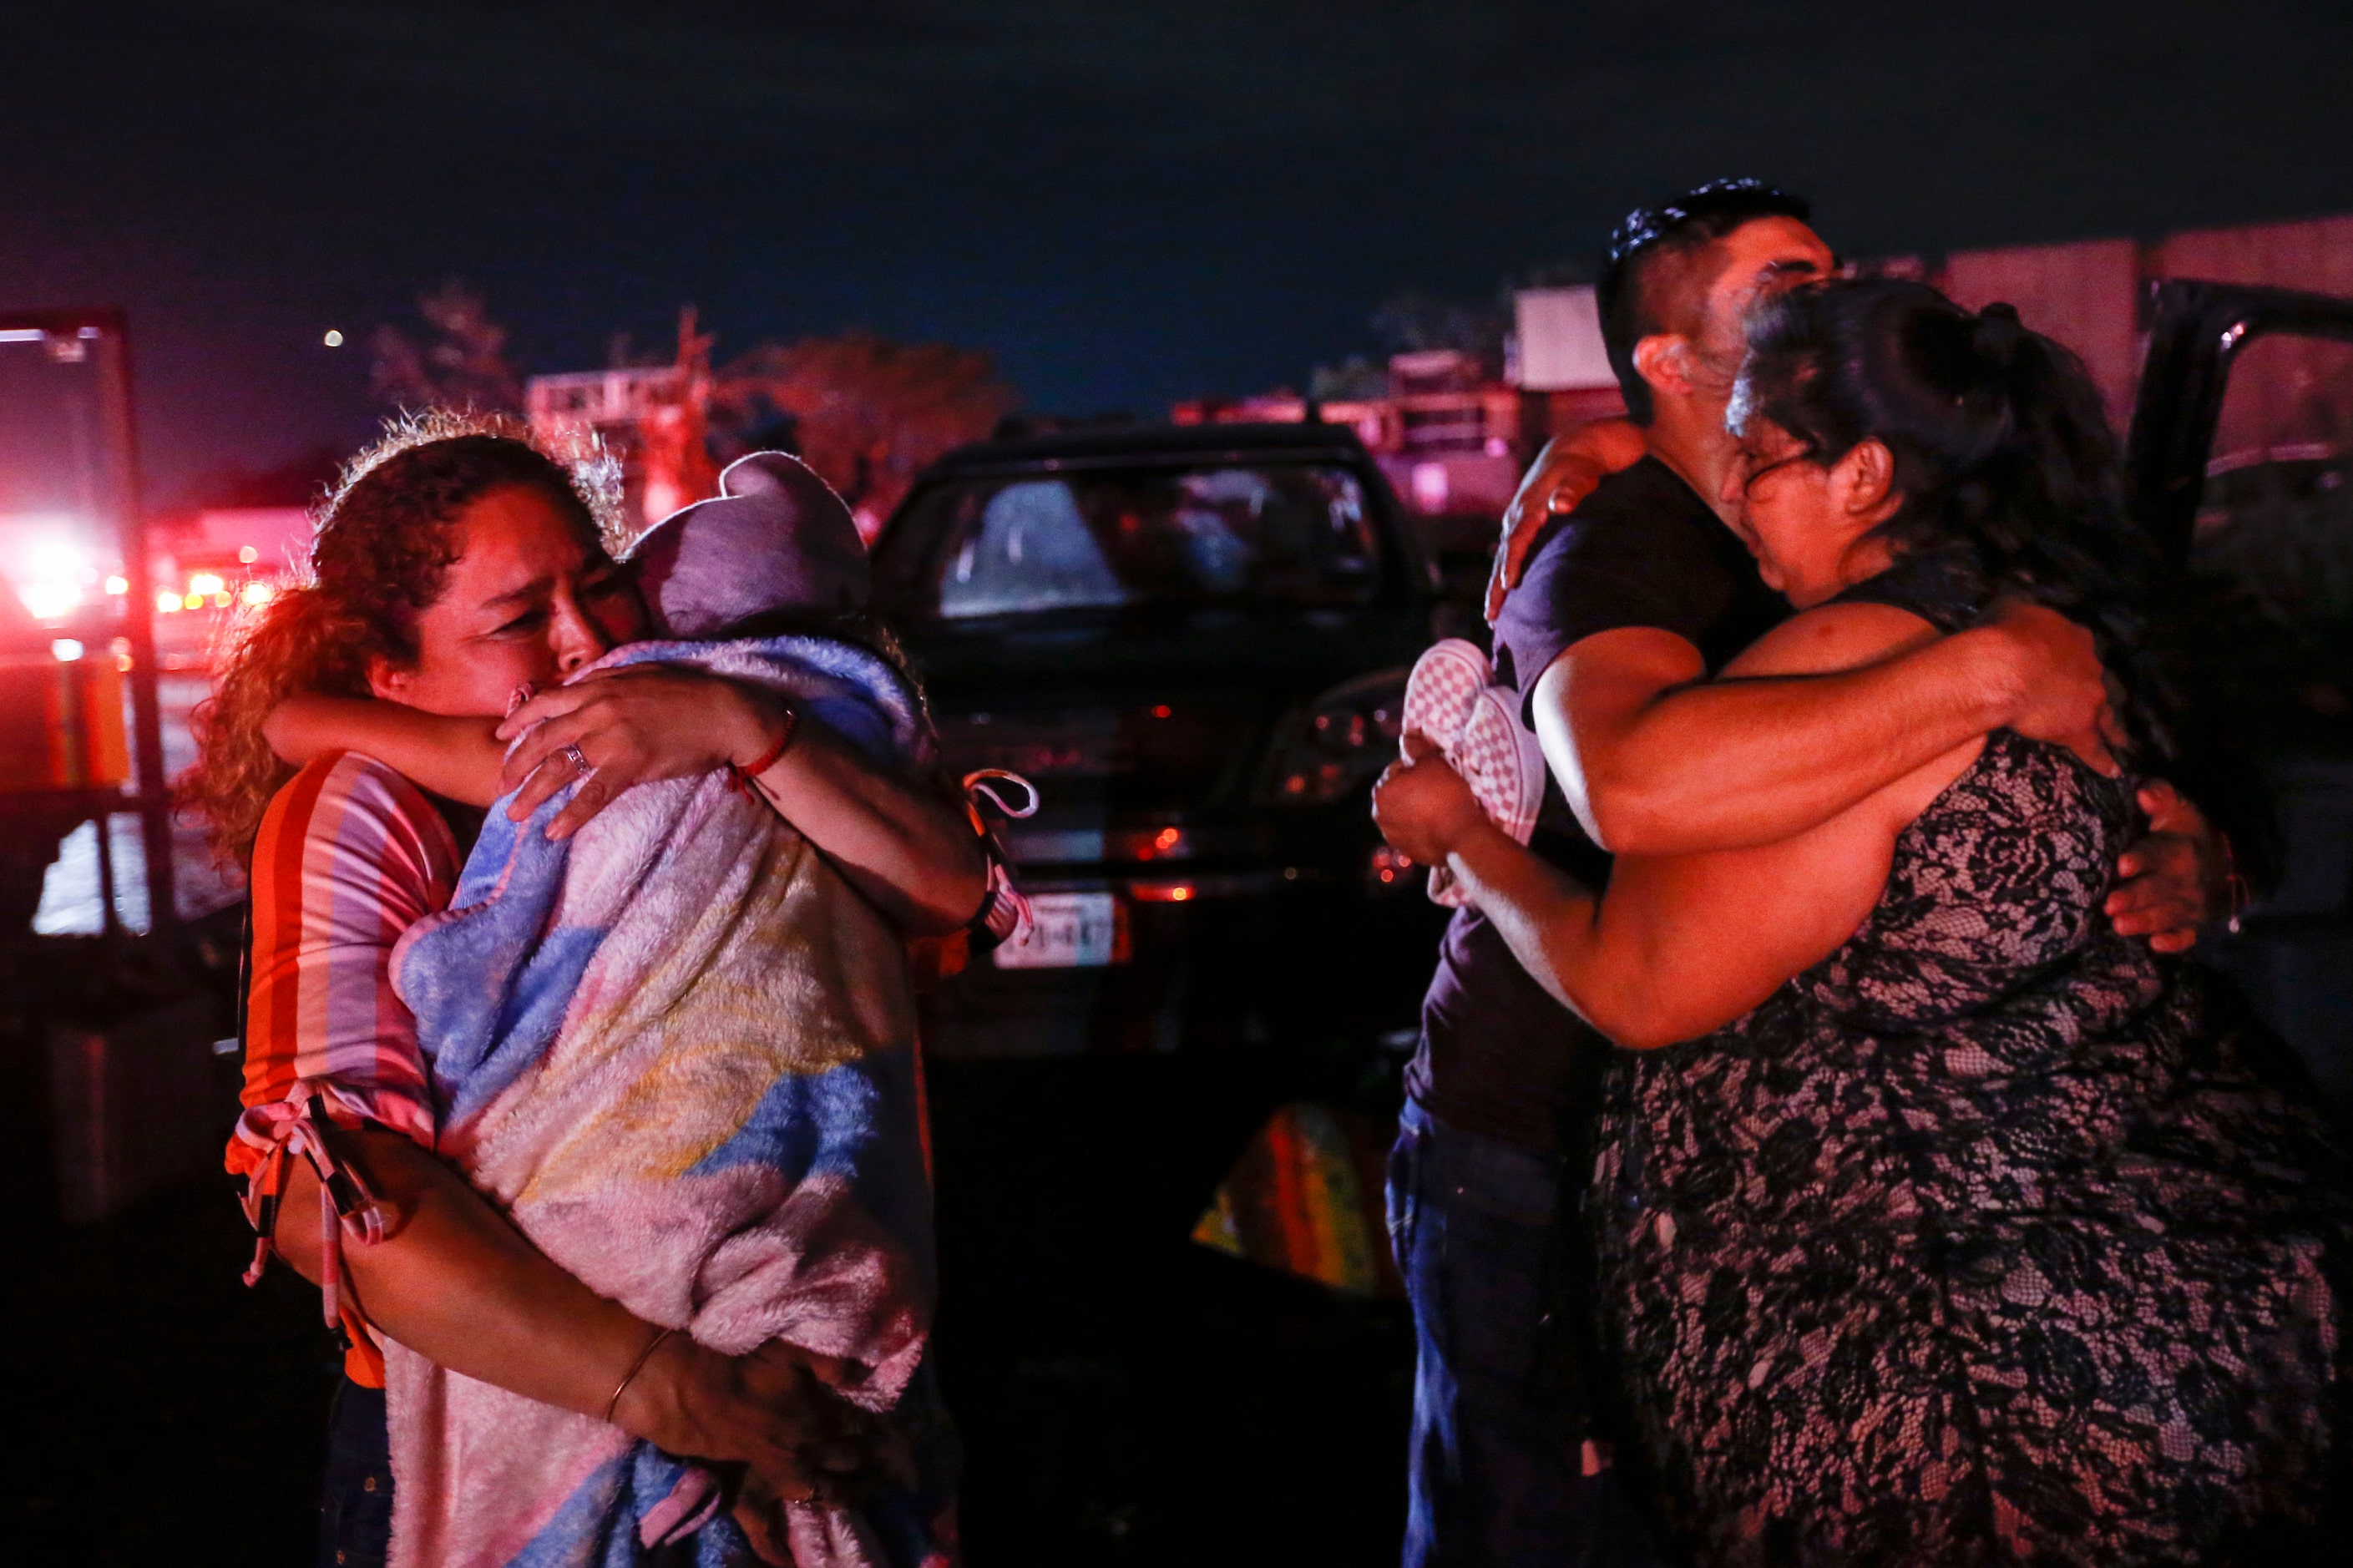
(356, 1494)
(355, 1497)
(1495, 1469)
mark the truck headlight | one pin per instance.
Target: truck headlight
(1337, 745)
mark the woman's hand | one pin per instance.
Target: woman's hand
(759, 1504)
(455, 1281)
(760, 1513)
(635, 724)
(900, 842)
(1423, 807)
(771, 1411)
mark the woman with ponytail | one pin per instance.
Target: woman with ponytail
(1938, 1223)
(455, 571)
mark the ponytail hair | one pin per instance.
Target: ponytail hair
(381, 543)
(2003, 456)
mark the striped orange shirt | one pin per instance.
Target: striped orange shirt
(349, 856)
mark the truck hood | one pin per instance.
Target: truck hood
(1116, 717)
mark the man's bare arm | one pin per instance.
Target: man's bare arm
(2176, 880)
(1654, 761)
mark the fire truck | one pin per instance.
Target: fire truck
(81, 737)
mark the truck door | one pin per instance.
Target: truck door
(2242, 463)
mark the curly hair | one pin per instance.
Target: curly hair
(2003, 456)
(382, 544)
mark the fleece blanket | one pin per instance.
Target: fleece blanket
(678, 1052)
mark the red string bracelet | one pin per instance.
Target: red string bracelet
(747, 772)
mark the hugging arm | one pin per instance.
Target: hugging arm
(1656, 760)
(455, 758)
(906, 847)
(1682, 944)
(455, 1282)
(898, 840)
(1567, 470)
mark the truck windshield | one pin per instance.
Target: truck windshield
(1280, 533)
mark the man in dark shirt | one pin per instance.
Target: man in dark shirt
(1629, 601)
(1642, 550)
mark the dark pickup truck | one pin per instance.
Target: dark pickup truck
(1194, 643)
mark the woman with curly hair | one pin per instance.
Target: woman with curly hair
(455, 568)
(1938, 1223)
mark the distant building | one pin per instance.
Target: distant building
(652, 419)
(1556, 341)
(1450, 437)
(2089, 296)
(1454, 440)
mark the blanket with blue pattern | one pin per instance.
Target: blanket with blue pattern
(678, 1051)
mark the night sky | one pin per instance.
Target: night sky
(1125, 201)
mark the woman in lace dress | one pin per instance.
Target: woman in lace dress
(1938, 1223)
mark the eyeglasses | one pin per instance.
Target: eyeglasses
(1749, 483)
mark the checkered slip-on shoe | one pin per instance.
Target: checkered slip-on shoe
(1500, 759)
(1439, 693)
(1446, 680)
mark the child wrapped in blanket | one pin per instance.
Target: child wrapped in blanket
(677, 1048)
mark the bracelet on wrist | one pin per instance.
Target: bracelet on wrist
(635, 1367)
(769, 758)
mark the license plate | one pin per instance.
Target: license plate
(1067, 930)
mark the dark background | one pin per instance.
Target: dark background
(1126, 202)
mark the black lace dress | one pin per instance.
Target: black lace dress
(1984, 1239)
